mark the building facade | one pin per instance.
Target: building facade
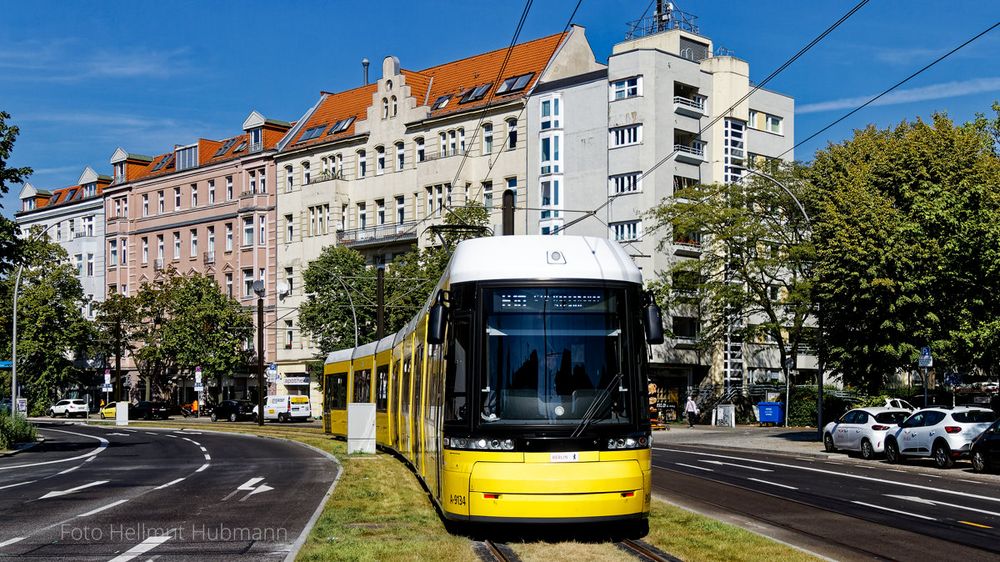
(207, 207)
(664, 113)
(373, 167)
(74, 216)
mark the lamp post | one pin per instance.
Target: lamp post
(258, 287)
(13, 342)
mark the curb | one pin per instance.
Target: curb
(22, 447)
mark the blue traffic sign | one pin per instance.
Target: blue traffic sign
(925, 352)
(6, 364)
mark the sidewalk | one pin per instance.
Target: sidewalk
(797, 440)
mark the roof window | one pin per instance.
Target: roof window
(224, 148)
(341, 126)
(241, 147)
(515, 83)
(477, 93)
(441, 102)
(312, 132)
(163, 163)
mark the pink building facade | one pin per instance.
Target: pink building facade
(207, 207)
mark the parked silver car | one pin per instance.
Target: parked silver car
(862, 429)
(944, 434)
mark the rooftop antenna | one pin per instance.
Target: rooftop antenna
(364, 63)
(663, 13)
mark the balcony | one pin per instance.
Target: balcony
(325, 176)
(693, 153)
(83, 234)
(382, 234)
(209, 257)
(158, 264)
(256, 147)
(692, 107)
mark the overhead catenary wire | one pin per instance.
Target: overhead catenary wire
(891, 88)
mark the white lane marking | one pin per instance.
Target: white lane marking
(720, 463)
(143, 547)
(933, 502)
(150, 433)
(102, 508)
(171, 483)
(173, 436)
(895, 510)
(69, 469)
(100, 448)
(117, 434)
(249, 484)
(932, 475)
(90, 459)
(58, 493)
(203, 450)
(257, 490)
(11, 541)
(130, 430)
(203, 467)
(191, 441)
(16, 485)
(967, 480)
(695, 467)
(772, 483)
(834, 473)
(208, 457)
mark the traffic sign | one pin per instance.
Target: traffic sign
(926, 360)
(22, 406)
(106, 387)
(198, 387)
(6, 364)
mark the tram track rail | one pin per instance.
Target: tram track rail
(490, 551)
(645, 551)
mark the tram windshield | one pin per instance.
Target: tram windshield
(553, 356)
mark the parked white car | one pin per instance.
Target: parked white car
(899, 404)
(944, 434)
(862, 429)
(69, 408)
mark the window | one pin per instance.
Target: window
(159, 246)
(113, 253)
(79, 264)
(452, 143)
(400, 157)
(627, 88)
(318, 219)
(511, 134)
(734, 155)
(262, 275)
(306, 175)
(177, 198)
(289, 228)
(88, 226)
(177, 245)
(211, 192)
(380, 212)
(145, 204)
(476, 94)
(311, 133)
(488, 138)
(72, 229)
(194, 243)
(385, 108)
(123, 244)
(263, 180)
(624, 136)
(343, 217)
(419, 142)
(341, 126)
(336, 165)
(59, 230)
(624, 231)
(625, 183)
(551, 117)
(248, 231)
(90, 265)
(551, 198)
(262, 229)
(440, 102)
(290, 279)
(394, 106)
(229, 285)
(194, 195)
(186, 158)
(160, 199)
(514, 83)
(379, 160)
(685, 328)
(488, 195)
(255, 139)
(288, 334)
(400, 209)
(444, 144)
(362, 164)
(362, 216)
(145, 250)
(247, 282)
(512, 185)
(765, 122)
(211, 241)
(229, 237)
(120, 172)
(461, 141)
(773, 124)
(550, 157)
(289, 179)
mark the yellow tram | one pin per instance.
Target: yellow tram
(518, 392)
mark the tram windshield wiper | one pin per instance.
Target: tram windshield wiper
(596, 406)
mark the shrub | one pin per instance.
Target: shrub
(14, 430)
(803, 410)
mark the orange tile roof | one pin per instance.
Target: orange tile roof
(69, 194)
(454, 78)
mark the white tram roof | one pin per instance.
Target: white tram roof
(340, 355)
(384, 343)
(365, 350)
(542, 257)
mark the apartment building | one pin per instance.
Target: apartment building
(206, 207)
(373, 167)
(596, 142)
(74, 217)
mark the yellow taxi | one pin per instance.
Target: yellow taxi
(108, 412)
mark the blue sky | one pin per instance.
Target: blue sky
(81, 78)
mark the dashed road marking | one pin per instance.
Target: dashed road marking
(59, 493)
(895, 510)
(68, 470)
(203, 467)
(100, 448)
(773, 483)
(102, 508)
(11, 541)
(695, 467)
(143, 547)
(16, 485)
(171, 483)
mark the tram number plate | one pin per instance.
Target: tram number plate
(456, 499)
(564, 457)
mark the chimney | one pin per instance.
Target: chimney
(364, 64)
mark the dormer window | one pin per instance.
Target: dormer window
(477, 93)
(312, 132)
(120, 171)
(29, 204)
(256, 137)
(441, 102)
(515, 83)
(224, 148)
(186, 158)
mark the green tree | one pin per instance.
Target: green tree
(116, 324)
(753, 277)
(8, 177)
(52, 335)
(338, 284)
(908, 248)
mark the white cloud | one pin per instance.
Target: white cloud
(68, 61)
(924, 93)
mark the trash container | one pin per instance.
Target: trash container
(771, 412)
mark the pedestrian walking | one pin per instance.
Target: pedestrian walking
(691, 411)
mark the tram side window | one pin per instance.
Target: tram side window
(362, 385)
(382, 388)
(336, 391)
(455, 400)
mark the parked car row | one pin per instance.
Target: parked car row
(944, 434)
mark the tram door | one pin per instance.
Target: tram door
(418, 411)
(405, 424)
(396, 415)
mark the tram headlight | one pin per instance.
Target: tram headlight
(508, 444)
(478, 444)
(635, 442)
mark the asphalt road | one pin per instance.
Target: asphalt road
(111, 493)
(835, 506)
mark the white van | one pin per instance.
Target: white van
(287, 408)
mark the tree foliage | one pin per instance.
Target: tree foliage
(8, 176)
(753, 277)
(908, 248)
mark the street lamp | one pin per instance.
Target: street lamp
(13, 343)
(258, 287)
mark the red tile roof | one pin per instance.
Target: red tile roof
(452, 78)
(69, 194)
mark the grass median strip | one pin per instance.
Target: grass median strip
(380, 512)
